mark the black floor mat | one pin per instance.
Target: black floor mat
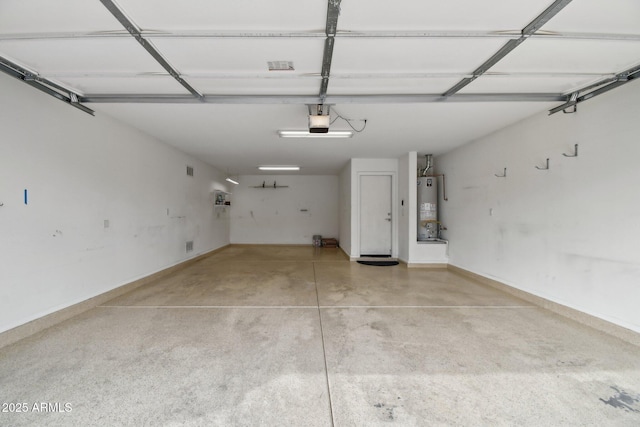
(379, 263)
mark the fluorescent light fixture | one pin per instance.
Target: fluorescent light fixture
(279, 168)
(232, 181)
(307, 134)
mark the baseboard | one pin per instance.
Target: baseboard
(351, 258)
(427, 265)
(617, 331)
(269, 244)
(33, 327)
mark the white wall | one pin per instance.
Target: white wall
(405, 176)
(569, 234)
(80, 171)
(345, 208)
(284, 215)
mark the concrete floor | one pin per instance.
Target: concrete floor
(299, 336)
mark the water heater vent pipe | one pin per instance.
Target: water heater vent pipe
(429, 165)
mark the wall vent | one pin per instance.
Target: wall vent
(190, 170)
(190, 246)
(280, 65)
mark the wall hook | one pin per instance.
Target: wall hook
(545, 168)
(575, 152)
(504, 174)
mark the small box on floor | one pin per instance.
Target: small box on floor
(329, 243)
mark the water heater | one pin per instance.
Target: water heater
(428, 224)
(427, 208)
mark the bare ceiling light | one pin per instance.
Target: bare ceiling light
(279, 168)
(280, 65)
(232, 181)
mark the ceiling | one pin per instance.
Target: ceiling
(427, 75)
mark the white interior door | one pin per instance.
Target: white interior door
(375, 214)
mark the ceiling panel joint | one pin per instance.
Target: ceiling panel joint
(207, 34)
(331, 99)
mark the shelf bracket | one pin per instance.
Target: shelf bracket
(504, 174)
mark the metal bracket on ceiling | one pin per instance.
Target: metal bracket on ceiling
(526, 32)
(318, 109)
(47, 86)
(333, 11)
(601, 87)
(573, 102)
(136, 33)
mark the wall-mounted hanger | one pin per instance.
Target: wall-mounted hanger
(264, 185)
(575, 152)
(544, 168)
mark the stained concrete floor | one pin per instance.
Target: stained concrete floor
(300, 336)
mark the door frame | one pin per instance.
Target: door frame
(394, 210)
